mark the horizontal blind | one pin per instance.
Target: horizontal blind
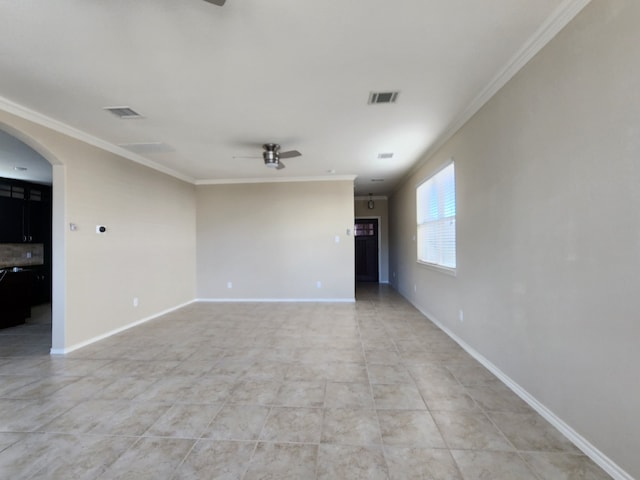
(436, 219)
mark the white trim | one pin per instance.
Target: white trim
(58, 126)
(561, 16)
(63, 351)
(578, 440)
(276, 300)
(232, 181)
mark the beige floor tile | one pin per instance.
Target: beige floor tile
(237, 422)
(401, 396)
(409, 463)
(381, 356)
(342, 395)
(8, 439)
(216, 459)
(31, 415)
(350, 426)
(409, 428)
(184, 421)
(389, 374)
(149, 458)
(124, 388)
(477, 465)
(42, 387)
(472, 374)
(301, 394)
(254, 392)
(351, 462)
(361, 379)
(497, 397)
(531, 432)
(25, 458)
(293, 424)
(564, 466)
(82, 457)
(472, 431)
(266, 371)
(283, 462)
(207, 389)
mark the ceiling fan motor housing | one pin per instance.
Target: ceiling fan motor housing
(270, 155)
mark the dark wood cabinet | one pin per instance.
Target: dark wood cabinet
(25, 217)
(12, 203)
(40, 285)
(15, 297)
(25, 212)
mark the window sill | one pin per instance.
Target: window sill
(438, 268)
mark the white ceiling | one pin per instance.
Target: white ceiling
(217, 82)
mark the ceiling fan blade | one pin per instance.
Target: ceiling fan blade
(289, 154)
(280, 166)
(216, 2)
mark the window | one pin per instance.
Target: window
(436, 209)
(363, 230)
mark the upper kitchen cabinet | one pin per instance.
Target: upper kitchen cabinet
(25, 212)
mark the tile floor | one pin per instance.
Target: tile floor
(270, 391)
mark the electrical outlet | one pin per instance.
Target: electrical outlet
(229, 284)
(135, 301)
(319, 284)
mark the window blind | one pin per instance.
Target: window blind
(436, 219)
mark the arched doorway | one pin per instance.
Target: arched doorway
(18, 152)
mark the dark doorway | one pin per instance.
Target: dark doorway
(366, 239)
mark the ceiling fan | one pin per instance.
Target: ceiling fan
(272, 155)
(216, 2)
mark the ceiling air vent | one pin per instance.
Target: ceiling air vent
(385, 155)
(123, 112)
(382, 97)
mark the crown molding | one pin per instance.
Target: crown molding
(231, 181)
(559, 19)
(60, 127)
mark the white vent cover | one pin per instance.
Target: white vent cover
(385, 155)
(382, 97)
(123, 112)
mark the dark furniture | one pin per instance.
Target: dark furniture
(15, 297)
(25, 212)
(25, 217)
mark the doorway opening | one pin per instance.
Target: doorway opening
(367, 249)
(28, 247)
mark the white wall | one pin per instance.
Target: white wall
(275, 241)
(148, 251)
(548, 198)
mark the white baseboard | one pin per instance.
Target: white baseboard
(64, 351)
(578, 440)
(276, 300)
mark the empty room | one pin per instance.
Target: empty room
(343, 240)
